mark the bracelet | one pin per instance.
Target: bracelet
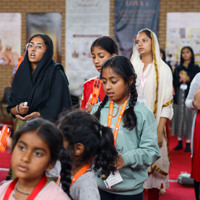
(17, 109)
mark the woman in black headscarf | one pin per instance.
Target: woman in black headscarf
(40, 86)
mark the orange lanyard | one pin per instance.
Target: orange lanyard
(118, 119)
(96, 91)
(77, 175)
(80, 173)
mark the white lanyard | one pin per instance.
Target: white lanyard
(144, 77)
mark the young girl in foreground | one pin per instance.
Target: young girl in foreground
(101, 49)
(87, 141)
(135, 135)
(36, 147)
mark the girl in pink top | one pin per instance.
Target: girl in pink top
(36, 147)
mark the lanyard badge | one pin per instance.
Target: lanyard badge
(115, 178)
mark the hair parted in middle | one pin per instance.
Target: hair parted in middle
(123, 67)
(192, 61)
(49, 133)
(106, 43)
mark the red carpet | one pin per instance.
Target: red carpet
(177, 191)
(5, 158)
(180, 160)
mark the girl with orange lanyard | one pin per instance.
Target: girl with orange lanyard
(36, 147)
(193, 102)
(134, 128)
(88, 142)
(101, 49)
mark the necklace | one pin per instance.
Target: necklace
(116, 112)
(20, 191)
(32, 195)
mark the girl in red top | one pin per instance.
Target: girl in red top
(102, 49)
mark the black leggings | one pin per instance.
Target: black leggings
(197, 189)
(109, 196)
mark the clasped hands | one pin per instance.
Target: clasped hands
(183, 77)
(22, 110)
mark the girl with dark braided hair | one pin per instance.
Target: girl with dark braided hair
(134, 131)
(91, 146)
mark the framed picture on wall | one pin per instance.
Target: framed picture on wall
(10, 38)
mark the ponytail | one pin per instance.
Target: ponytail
(81, 127)
(107, 154)
(65, 172)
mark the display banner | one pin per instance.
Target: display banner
(50, 24)
(184, 31)
(86, 20)
(130, 17)
(10, 38)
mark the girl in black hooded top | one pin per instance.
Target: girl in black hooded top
(39, 81)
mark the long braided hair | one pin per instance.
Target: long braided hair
(123, 67)
(149, 34)
(81, 127)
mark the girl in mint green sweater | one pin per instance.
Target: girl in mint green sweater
(134, 131)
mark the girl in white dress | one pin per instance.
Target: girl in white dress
(154, 87)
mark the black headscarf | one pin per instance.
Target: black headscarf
(35, 88)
